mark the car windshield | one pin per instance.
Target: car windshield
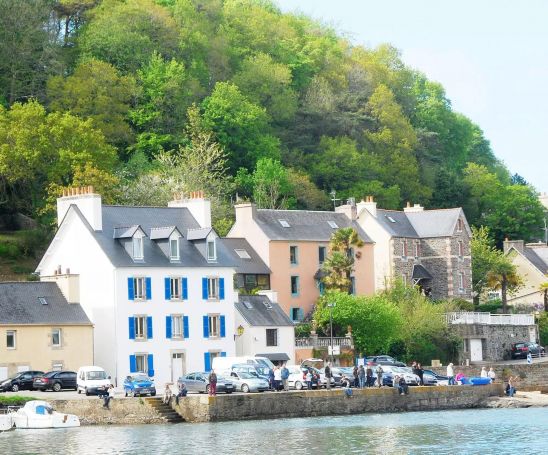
(95, 375)
(140, 377)
(50, 374)
(400, 370)
(244, 375)
(262, 370)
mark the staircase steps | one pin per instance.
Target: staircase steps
(167, 412)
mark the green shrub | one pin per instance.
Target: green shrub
(543, 329)
(21, 269)
(463, 305)
(9, 250)
(33, 241)
(490, 307)
(303, 330)
(15, 400)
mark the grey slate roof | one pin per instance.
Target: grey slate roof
(19, 304)
(538, 257)
(428, 223)
(252, 265)
(260, 315)
(148, 218)
(125, 232)
(304, 225)
(162, 233)
(420, 272)
(198, 234)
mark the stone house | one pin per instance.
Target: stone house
(428, 248)
(42, 329)
(531, 261)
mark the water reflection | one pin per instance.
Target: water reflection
(467, 431)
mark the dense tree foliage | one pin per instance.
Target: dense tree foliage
(270, 89)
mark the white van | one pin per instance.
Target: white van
(226, 363)
(90, 379)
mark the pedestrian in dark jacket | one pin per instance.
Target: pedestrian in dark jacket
(212, 383)
(327, 377)
(355, 376)
(271, 378)
(369, 376)
(361, 376)
(420, 373)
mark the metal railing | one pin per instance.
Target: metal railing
(490, 319)
(317, 342)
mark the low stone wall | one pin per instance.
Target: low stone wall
(200, 408)
(122, 411)
(531, 377)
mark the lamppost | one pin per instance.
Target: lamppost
(331, 306)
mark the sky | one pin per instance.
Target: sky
(490, 55)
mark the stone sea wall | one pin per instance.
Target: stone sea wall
(334, 402)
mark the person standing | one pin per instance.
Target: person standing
(109, 396)
(361, 376)
(369, 375)
(379, 372)
(327, 376)
(355, 376)
(271, 378)
(420, 373)
(277, 378)
(212, 383)
(308, 376)
(491, 374)
(483, 373)
(284, 374)
(450, 374)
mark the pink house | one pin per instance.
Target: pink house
(294, 244)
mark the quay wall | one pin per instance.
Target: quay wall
(531, 377)
(333, 402)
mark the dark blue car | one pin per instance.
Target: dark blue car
(139, 384)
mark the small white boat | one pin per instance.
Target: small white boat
(6, 421)
(40, 414)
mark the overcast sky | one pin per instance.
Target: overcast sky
(490, 55)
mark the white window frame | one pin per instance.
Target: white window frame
(59, 332)
(138, 247)
(324, 253)
(177, 323)
(141, 358)
(176, 288)
(214, 256)
(214, 325)
(14, 338)
(276, 342)
(139, 288)
(213, 284)
(461, 282)
(140, 327)
(174, 241)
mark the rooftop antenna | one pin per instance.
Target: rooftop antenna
(334, 199)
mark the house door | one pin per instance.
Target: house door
(476, 351)
(177, 365)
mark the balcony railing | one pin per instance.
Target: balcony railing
(323, 342)
(490, 319)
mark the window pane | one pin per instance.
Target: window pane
(212, 287)
(174, 248)
(141, 363)
(139, 288)
(211, 250)
(175, 288)
(56, 337)
(177, 325)
(321, 254)
(272, 337)
(213, 326)
(10, 341)
(294, 285)
(293, 254)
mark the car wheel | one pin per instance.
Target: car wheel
(228, 392)
(87, 393)
(78, 390)
(56, 387)
(245, 388)
(15, 388)
(207, 389)
(298, 385)
(131, 394)
(125, 394)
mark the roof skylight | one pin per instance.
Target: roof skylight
(284, 223)
(243, 254)
(333, 224)
(268, 305)
(42, 300)
(392, 220)
(247, 305)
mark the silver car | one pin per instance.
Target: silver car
(199, 382)
(247, 382)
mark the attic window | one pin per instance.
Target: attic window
(284, 223)
(268, 305)
(333, 225)
(138, 248)
(392, 220)
(243, 254)
(174, 248)
(42, 300)
(211, 250)
(248, 305)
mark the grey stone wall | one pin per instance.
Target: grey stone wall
(332, 402)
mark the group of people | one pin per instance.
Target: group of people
(365, 376)
(278, 378)
(455, 379)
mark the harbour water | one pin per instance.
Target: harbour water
(476, 431)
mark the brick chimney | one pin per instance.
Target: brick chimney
(414, 208)
(369, 204)
(88, 202)
(197, 204)
(517, 244)
(349, 209)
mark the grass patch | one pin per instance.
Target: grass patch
(15, 400)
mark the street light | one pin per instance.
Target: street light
(331, 306)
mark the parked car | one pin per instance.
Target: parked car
(21, 381)
(247, 382)
(297, 381)
(256, 370)
(521, 349)
(440, 379)
(198, 382)
(92, 380)
(138, 384)
(390, 371)
(337, 375)
(384, 360)
(56, 381)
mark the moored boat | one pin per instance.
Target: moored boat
(40, 414)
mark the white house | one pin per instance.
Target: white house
(263, 329)
(156, 282)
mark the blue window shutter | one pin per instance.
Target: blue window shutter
(149, 327)
(223, 354)
(223, 331)
(168, 326)
(204, 288)
(185, 289)
(207, 361)
(132, 364)
(130, 290)
(206, 327)
(150, 362)
(221, 288)
(131, 328)
(185, 326)
(167, 285)
(149, 287)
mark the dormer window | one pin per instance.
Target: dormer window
(211, 250)
(138, 248)
(174, 254)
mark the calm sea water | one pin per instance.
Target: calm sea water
(489, 431)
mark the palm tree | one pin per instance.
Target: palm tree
(339, 265)
(544, 289)
(503, 276)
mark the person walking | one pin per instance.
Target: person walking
(379, 372)
(450, 374)
(483, 373)
(420, 373)
(284, 374)
(277, 378)
(212, 383)
(328, 376)
(355, 376)
(361, 376)
(491, 374)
